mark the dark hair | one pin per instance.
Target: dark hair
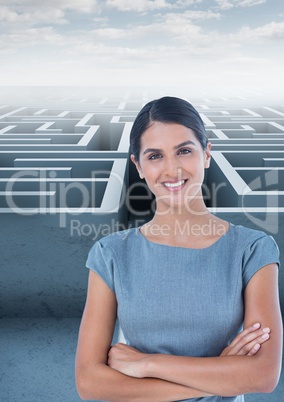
(166, 110)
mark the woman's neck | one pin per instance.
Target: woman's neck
(195, 212)
(197, 227)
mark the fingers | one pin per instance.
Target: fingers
(253, 346)
(248, 342)
(246, 332)
(123, 346)
(113, 353)
(123, 352)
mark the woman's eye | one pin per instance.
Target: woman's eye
(184, 151)
(155, 156)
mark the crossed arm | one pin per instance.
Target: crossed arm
(121, 373)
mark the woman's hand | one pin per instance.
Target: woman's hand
(247, 342)
(127, 360)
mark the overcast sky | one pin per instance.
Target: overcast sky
(140, 42)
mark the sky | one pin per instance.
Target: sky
(142, 42)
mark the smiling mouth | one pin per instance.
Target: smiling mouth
(174, 185)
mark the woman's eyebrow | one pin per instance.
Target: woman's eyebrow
(152, 150)
(184, 143)
(175, 147)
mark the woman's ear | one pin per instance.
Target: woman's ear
(207, 155)
(138, 167)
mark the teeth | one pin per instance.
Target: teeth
(177, 184)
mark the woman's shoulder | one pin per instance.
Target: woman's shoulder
(245, 231)
(119, 238)
(247, 236)
(113, 245)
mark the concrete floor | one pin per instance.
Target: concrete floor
(37, 361)
(37, 354)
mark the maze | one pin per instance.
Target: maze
(60, 161)
(247, 157)
(73, 158)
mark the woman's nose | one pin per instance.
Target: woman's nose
(171, 168)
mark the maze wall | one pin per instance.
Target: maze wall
(65, 178)
(248, 146)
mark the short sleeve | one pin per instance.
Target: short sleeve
(100, 260)
(259, 253)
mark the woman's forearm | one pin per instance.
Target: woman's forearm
(246, 365)
(104, 383)
(224, 375)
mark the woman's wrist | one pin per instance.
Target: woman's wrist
(150, 369)
(147, 366)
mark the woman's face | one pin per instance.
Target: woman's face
(172, 161)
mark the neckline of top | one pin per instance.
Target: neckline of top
(186, 248)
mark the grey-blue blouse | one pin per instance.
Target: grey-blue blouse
(177, 300)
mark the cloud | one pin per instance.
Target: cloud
(224, 4)
(79, 6)
(112, 33)
(102, 20)
(271, 31)
(149, 5)
(178, 27)
(30, 17)
(166, 27)
(138, 5)
(182, 31)
(29, 38)
(228, 4)
(186, 3)
(189, 15)
(250, 3)
(25, 12)
(83, 6)
(107, 53)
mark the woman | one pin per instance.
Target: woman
(182, 285)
